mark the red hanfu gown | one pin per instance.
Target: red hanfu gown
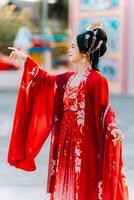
(85, 163)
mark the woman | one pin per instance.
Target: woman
(86, 144)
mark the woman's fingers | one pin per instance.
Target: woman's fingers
(12, 48)
(17, 54)
(117, 135)
(12, 55)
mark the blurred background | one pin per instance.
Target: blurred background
(43, 29)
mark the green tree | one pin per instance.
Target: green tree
(10, 21)
(59, 12)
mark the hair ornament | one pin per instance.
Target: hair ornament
(98, 46)
(87, 36)
(95, 25)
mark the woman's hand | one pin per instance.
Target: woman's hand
(117, 135)
(17, 55)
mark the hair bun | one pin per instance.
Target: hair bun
(103, 49)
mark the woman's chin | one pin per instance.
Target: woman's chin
(71, 60)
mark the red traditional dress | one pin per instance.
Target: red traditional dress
(85, 163)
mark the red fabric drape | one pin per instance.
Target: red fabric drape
(33, 116)
(111, 177)
(114, 179)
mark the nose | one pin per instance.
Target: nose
(68, 51)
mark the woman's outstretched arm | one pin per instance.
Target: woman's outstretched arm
(30, 66)
(34, 112)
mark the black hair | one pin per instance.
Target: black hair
(96, 49)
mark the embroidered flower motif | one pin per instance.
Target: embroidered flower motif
(74, 107)
(100, 190)
(53, 167)
(80, 121)
(111, 126)
(82, 104)
(123, 174)
(74, 95)
(74, 100)
(77, 160)
(34, 71)
(77, 169)
(80, 113)
(80, 117)
(77, 152)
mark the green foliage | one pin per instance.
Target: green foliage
(10, 21)
(57, 12)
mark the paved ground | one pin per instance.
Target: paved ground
(19, 185)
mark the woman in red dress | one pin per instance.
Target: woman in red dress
(86, 145)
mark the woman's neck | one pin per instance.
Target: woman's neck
(82, 67)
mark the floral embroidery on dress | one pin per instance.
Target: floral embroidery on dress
(34, 73)
(78, 104)
(68, 185)
(100, 190)
(123, 174)
(77, 160)
(80, 118)
(53, 167)
(111, 126)
(74, 99)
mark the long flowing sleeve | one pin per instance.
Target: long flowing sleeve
(114, 178)
(112, 183)
(33, 118)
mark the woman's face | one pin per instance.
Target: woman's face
(73, 52)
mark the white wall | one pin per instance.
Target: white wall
(10, 79)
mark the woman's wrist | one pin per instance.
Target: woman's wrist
(24, 57)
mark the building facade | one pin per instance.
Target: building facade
(116, 17)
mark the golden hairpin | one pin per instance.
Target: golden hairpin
(95, 25)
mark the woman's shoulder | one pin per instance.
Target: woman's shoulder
(96, 79)
(97, 76)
